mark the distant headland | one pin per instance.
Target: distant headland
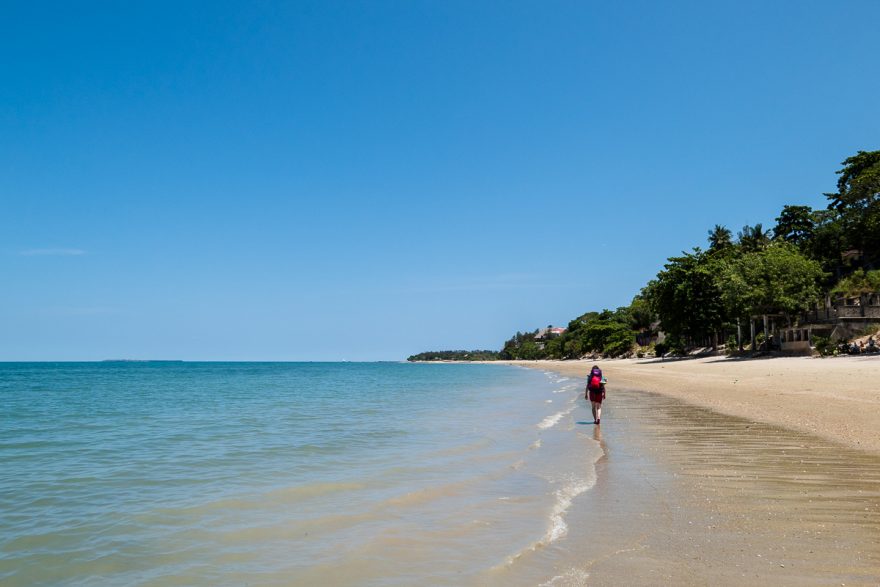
(142, 361)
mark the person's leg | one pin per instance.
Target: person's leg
(595, 406)
(598, 412)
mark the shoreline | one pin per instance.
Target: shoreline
(689, 496)
(833, 399)
(725, 472)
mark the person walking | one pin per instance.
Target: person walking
(596, 392)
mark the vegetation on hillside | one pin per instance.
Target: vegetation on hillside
(605, 332)
(703, 297)
(859, 282)
(455, 356)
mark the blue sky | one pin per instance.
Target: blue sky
(367, 180)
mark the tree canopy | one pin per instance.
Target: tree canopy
(857, 200)
(455, 356)
(720, 238)
(686, 296)
(700, 294)
(795, 225)
(753, 238)
(776, 279)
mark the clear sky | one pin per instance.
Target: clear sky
(367, 180)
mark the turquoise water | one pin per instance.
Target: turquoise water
(283, 473)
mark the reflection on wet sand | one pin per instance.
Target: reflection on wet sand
(687, 496)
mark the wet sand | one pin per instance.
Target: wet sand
(837, 399)
(689, 495)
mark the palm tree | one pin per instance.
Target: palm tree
(720, 238)
(753, 238)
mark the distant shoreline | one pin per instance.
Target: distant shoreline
(140, 361)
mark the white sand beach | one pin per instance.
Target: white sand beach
(833, 398)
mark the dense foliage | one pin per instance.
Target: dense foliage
(605, 332)
(701, 297)
(777, 278)
(859, 282)
(455, 356)
(686, 297)
(857, 202)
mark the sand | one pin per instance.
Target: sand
(835, 398)
(731, 472)
(688, 496)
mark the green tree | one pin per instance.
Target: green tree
(461, 355)
(827, 243)
(529, 351)
(753, 238)
(776, 279)
(795, 225)
(858, 201)
(640, 312)
(720, 238)
(521, 346)
(553, 348)
(608, 333)
(573, 346)
(619, 340)
(686, 297)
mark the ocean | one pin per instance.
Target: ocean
(130, 473)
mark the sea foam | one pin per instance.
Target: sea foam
(551, 421)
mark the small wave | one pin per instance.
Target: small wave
(535, 445)
(558, 527)
(551, 421)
